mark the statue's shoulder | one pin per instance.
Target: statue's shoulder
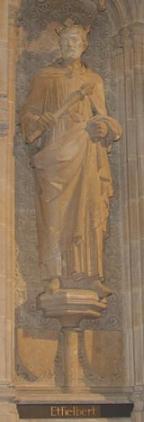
(95, 77)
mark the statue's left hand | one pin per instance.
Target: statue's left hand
(97, 129)
(101, 129)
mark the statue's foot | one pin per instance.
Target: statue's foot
(102, 290)
(53, 285)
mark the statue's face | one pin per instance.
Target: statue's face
(73, 43)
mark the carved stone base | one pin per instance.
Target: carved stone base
(70, 306)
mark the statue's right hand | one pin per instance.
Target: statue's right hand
(47, 120)
(86, 89)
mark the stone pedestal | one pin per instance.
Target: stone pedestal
(70, 307)
(71, 358)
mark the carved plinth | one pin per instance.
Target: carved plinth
(70, 307)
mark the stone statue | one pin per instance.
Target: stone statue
(65, 117)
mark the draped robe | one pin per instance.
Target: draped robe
(72, 174)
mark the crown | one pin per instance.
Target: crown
(70, 25)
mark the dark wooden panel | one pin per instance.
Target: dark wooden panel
(82, 411)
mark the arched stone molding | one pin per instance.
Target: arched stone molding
(125, 12)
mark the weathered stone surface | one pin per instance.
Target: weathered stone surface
(79, 420)
(8, 412)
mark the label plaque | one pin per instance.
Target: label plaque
(74, 411)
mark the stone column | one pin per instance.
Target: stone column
(128, 66)
(71, 358)
(8, 411)
(133, 48)
(119, 76)
(135, 153)
(138, 399)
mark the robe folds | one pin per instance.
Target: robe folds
(72, 174)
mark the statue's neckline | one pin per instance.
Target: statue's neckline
(73, 68)
(75, 65)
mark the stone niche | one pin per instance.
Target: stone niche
(105, 354)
